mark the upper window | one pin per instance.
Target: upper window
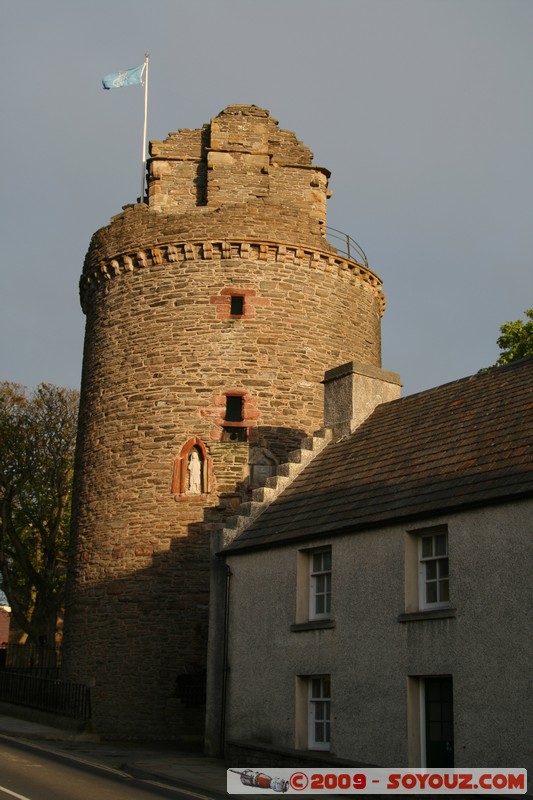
(236, 305)
(427, 573)
(313, 589)
(434, 583)
(320, 584)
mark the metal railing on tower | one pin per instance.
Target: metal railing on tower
(346, 245)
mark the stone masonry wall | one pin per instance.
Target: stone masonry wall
(162, 352)
(241, 155)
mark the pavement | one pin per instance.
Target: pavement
(201, 777)
(193, 772)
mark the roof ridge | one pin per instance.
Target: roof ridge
(483, 373)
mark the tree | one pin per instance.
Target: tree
(516, 340)
(37, 442)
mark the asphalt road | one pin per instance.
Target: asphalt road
(28, 773)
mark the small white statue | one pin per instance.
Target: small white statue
(194, 469)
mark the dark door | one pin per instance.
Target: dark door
(439, 722)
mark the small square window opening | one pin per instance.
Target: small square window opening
(232, 430)
(236, 305)
(234, 408)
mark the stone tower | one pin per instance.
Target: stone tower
(213, 311)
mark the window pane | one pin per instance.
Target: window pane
(427, 546)
(320, 584)
(443, 568)
(319, 732)
(326, 688)
(317, 562)
(444, 591)
(431, 570)
(319, 604)
(433, 690)
(316, 685)
(447, 732)
(435, 731)
(447, 712)
(431, 593)
(441, 548)
(446, 693)
(326, 560)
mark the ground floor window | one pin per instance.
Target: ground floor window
(313, 712)
(319, 712)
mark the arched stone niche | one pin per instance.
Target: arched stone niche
(191, 479)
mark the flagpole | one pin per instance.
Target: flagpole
(144, 127)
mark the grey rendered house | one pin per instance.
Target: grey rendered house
(379, 609)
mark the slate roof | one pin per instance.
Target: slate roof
(463, 444)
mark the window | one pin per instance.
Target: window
(313, 589)
(313, 712)
(427, 579)
(234, 428)
(233, 408)
(236, 305)
(320, 584)
(319, 712)
(434, 590)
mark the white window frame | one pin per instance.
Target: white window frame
(320, 575)
(319, 712)
(433, 569)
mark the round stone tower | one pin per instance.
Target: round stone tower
(213, 311)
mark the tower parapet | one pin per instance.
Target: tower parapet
(241, 156)
(213, 312)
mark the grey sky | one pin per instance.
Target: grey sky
(422, 110)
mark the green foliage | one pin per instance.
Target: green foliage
(37, 442)
(516, 340)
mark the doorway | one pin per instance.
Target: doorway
(438, 721)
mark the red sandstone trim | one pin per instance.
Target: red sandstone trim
(223, 303)
(179, 473)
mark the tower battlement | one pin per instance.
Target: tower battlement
(241, 156)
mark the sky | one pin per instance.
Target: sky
(421, 109)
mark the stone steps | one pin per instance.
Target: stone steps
(261, 498)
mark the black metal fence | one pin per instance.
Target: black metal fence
(46, 694)
(29, 676)
(43, 660)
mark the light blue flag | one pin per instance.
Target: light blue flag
(126, 77)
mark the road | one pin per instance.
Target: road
(28, 773)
